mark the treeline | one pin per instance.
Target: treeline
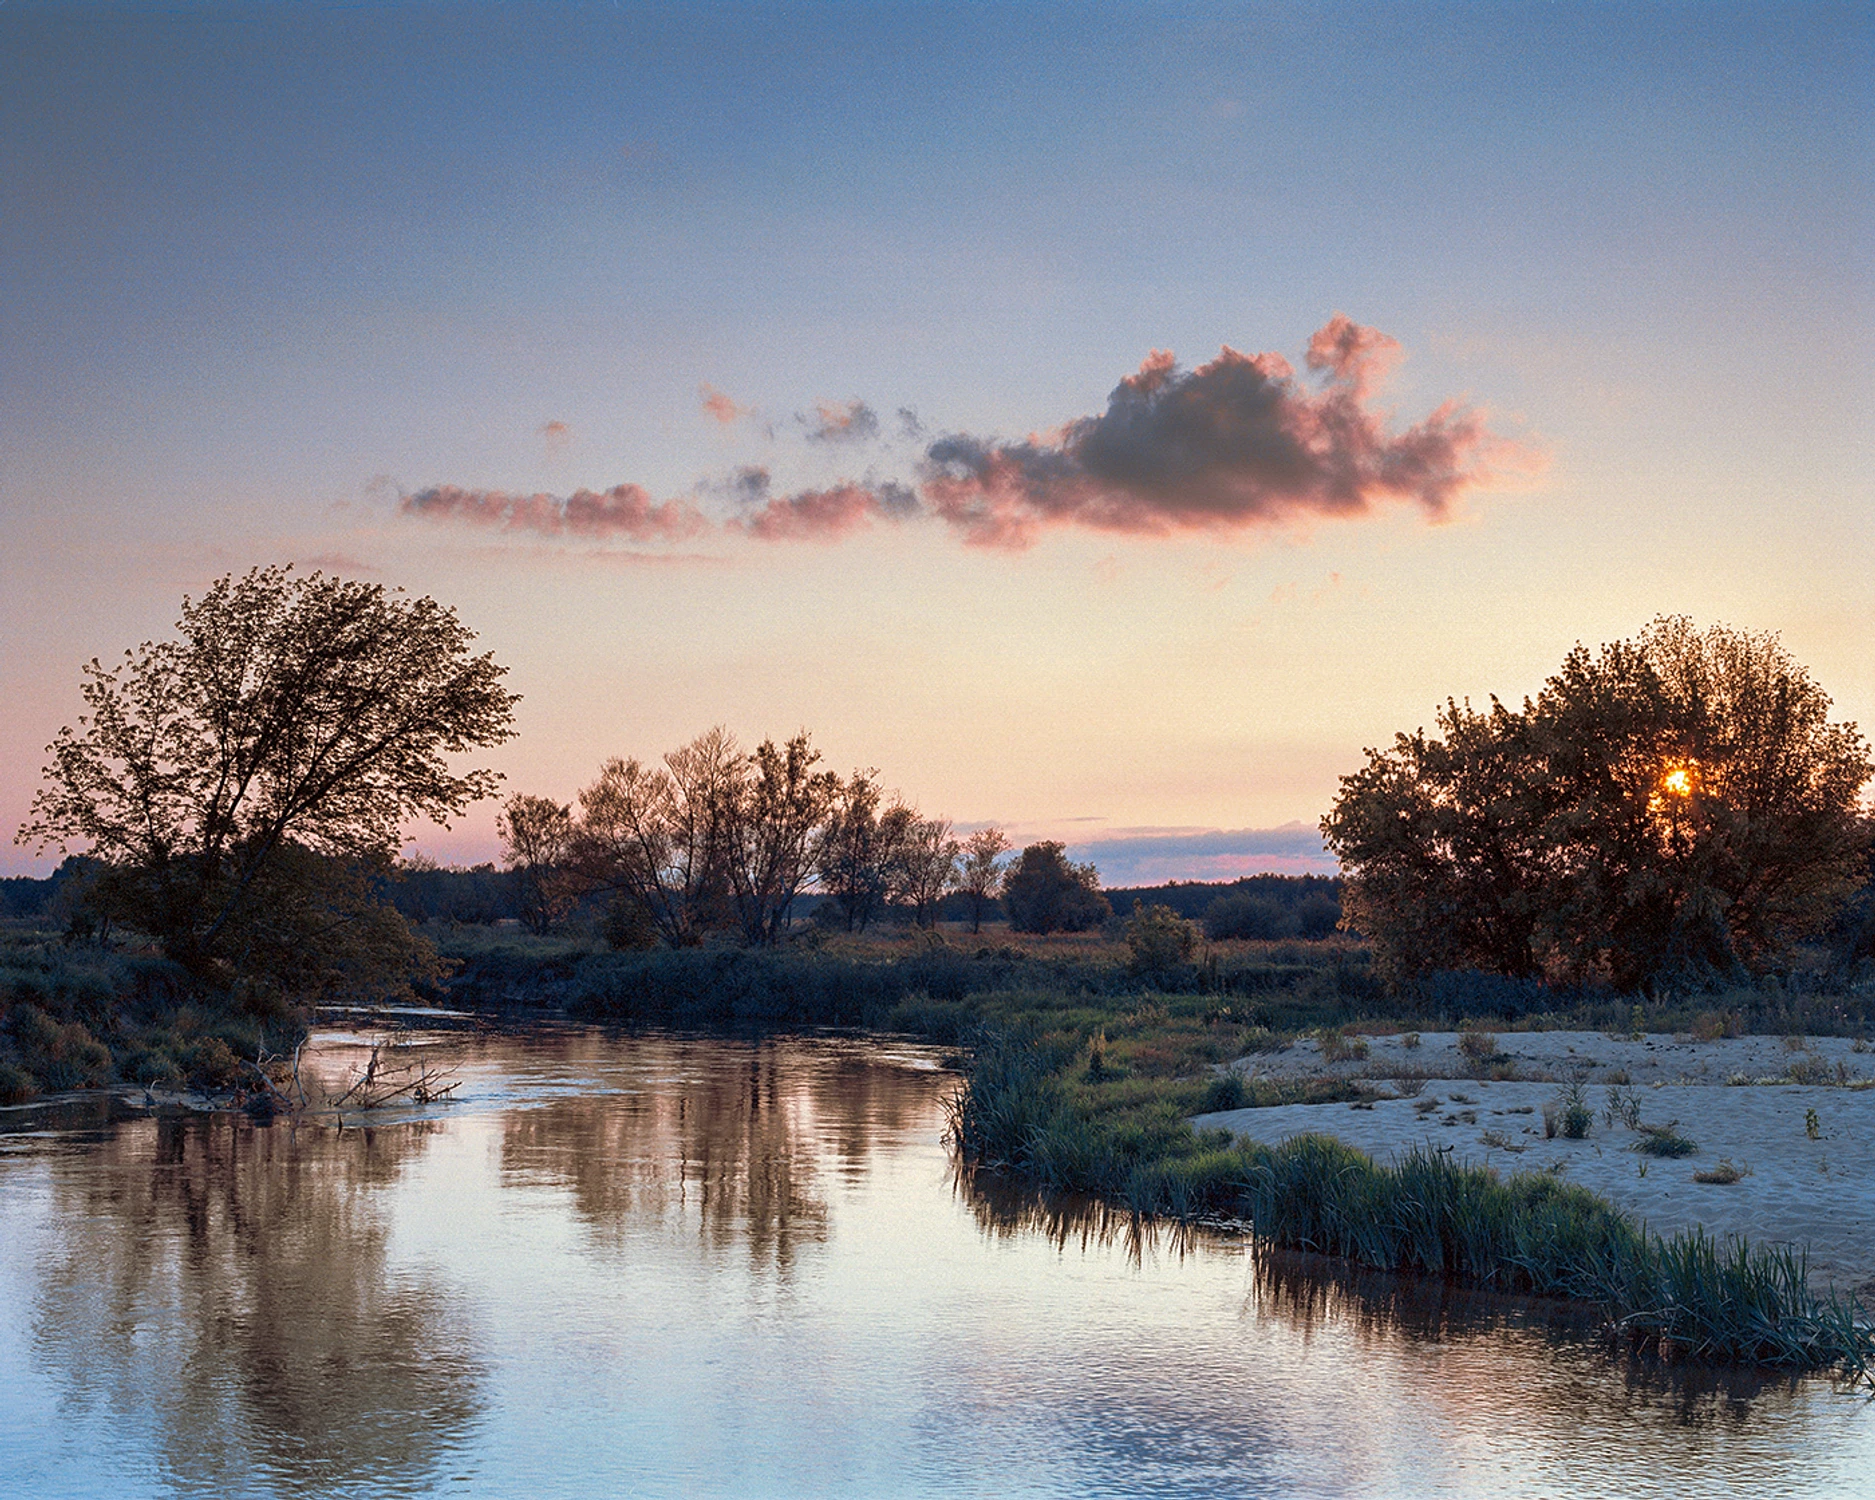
(1267, 907)
(713, 839)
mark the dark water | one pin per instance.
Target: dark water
(656, 1264)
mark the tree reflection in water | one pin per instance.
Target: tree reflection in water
(228, 1285)
(730, 1139)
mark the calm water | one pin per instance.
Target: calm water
(657, 1264)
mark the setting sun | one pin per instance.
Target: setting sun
(1678, 782)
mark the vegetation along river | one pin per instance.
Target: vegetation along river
(655, 1263)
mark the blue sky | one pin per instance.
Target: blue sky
(268, 269)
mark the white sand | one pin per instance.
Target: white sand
(1815, 1194)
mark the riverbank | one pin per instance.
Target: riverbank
(1794, 1118)
(1083, 1073)
(78, 1016)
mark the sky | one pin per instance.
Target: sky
(1104, 421)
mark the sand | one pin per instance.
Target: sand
(1734, 1097)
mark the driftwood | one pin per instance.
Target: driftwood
(383, 1082)
(385, 1079)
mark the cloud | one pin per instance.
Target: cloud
(848, 422)
(1240, 443)
(718, 405)
(1236, 443)
(624, 512)
(1155, 856)
(338, 562)
(826, 515)
(557, 434)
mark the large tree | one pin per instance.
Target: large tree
(1046, 892)
(980, 875)
(927, 866)
(537, 844)
(857, 853)
(235, 781)
(781, 804)
(661, 838)
(1674, 806)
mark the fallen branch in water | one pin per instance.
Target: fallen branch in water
(383, 1082)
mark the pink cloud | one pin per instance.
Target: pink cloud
(1238, 442)
(625, 511)
(718, 405)
(841, 422)
(827, 515)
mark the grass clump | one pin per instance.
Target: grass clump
(1337, 1047)
(1663, 1140)
(1568, 1114)
(1725, 1173)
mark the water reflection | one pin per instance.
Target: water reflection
(1568, 1378)
(659, 1263)
(225, 1288)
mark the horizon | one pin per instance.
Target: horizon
(1108, 427)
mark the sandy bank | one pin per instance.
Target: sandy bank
(1734, 1098)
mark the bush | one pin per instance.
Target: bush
(16, 1084)
(1161, 940)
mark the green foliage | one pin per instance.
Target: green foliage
(1161, 941)
(242, 786)
(1044, 892)
(1676, 807)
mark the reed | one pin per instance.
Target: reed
(1026, 1105)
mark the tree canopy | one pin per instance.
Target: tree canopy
(1671, 807)
(237, 783)
(1046, 892)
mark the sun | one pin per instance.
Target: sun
(1678, 781)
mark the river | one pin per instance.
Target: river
(657, 1264)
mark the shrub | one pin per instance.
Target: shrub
(16, 1084)
(1160, 939)
(209, 1064)
(1664, 1140)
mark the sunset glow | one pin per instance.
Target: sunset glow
(1105, 424)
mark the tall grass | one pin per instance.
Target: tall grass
(1023, 1107)
(77, 1016)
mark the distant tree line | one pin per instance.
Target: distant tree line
(1268, 907)
(715, 839)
